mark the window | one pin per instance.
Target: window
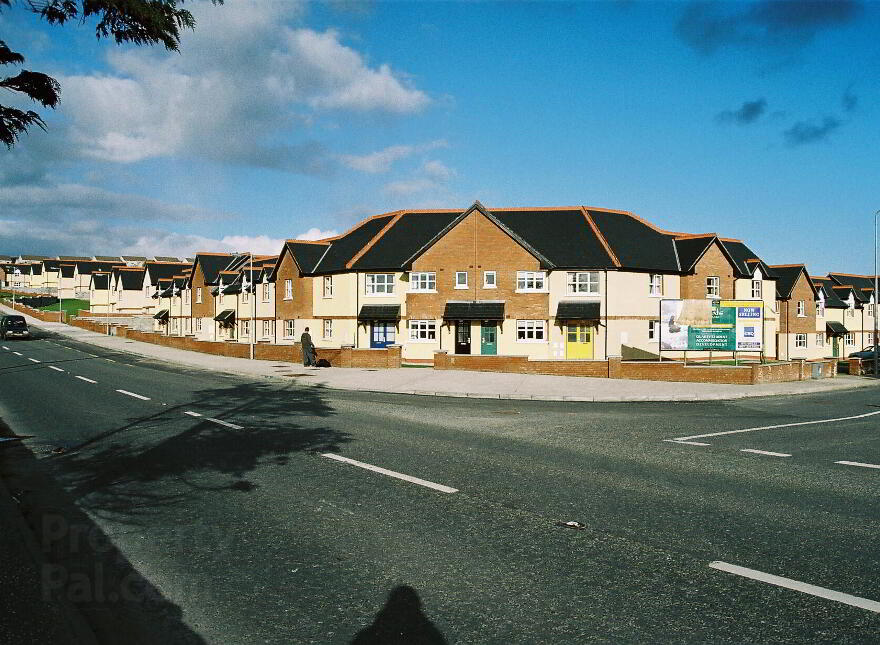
(871, 310)
(820, 340)
(266, 292)
(198, 324)
(267, 328)
(850, 312)
(423, 281)
(800, 340)
(174, 322)
(756, 289)
(186, 296)
(850, 338)
(583, 282)
(820, 309)
(713, 286)
(245, 327)
(421, 331)
(288, 329)
(245, 296)
(198, 294)
(328, 328)
(288, 289)
(379, 283)
(461, 280)
(530, 281)
(490, 280)
(656, 284)
(653, 331)
(801, 309)
(146, 291)
(328, 286)
(188, 325)
(529, 331)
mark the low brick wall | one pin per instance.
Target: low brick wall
(639, 370)
(388, 357)
(45, 316)
(91, 325)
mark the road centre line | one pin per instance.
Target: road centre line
(690, 443)
(87, 380)
(224, 423)
(192, 414)
(858, 463)
(795, 585)
(57, 369)
(765, 452)
(391, 473)
(17, 353)
(137, 396)
(781, 425)
(33, 360)
(6, 348)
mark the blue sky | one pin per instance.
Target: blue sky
(755, 120)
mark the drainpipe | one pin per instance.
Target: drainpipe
(357, 307)
(607, 331)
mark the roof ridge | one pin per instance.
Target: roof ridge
(687, 236)
(378, 236)
(601, 237)
(321, 241)
(780, 266)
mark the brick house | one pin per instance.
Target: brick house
(802, 315)
(862, 287)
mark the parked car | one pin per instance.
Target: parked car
(868, 352)
(13, 327)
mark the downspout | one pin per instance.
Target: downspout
(607, 331)
(357, 307)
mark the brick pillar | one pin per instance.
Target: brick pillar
(441, 359)
(855, 366)
(614, 369)
(393, 356)
(802, 369)
(345, 355)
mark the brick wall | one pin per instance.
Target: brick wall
(387, 358)
(713, 262)
(45, 316)
(100, 328)
(205, 308)
(790, 322)
(300, 306)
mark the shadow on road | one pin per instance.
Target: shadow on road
(400, 622)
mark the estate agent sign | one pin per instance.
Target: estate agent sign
(716, 325)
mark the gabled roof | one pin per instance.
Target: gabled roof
(132, 278)
(100, 280)
(36, 269)
(744, 259)
(157, 270)
(637, 244)
(832, 299)
(844, 291)
(34, 257)
(51, 265)
(691, 248)
(166, 258)
(786, 278)
(67, 270)
(108, 258)
(134, 258)
(346, 246)
(212, 264)
(862, 283)
(73, 257)
(407, 232)
(87, 267)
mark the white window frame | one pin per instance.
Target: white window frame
(198, 324)
(582, 283)
(423, 282)
(267, 329)
(653, 331)
(655, 284)
(531, 331)
(871, 310)
(800, 341)
(245, 296)
(820, 340)
(383, 287)
(288, 289)
(801, 309)
(198, 295)
(187, 295)
(267, 292)
(538, 280)
(820, 309)
(713, 286)
(458, 283)
(289, 328)
(245, 328)
(757, 289)
(494, 282)
(849, 339)
(422, 331)
(328, 328)
(327, 286)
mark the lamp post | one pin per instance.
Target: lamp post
(876, 304)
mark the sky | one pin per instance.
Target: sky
(282, 119)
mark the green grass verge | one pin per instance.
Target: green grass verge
(70, 305)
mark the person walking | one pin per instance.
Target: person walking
(308, 348)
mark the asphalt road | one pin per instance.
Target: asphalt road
(233, 527)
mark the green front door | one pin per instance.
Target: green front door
(835, 352)
(488, 339)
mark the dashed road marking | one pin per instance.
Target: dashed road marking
(192, 414)
(137, 396)
(391, 473)
(780, 425)
(858, 463)
(57, 369)
(690, 443)
(224, 423)
(87, 380)
(33, 360)
(803, 587)
(17, 353)
(6, 348)
(765, 452)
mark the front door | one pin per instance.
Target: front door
(835, 351)
(381, 335)
(488, 339)
(578, 341)
(462, 336)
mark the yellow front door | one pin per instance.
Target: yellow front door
(578, 341)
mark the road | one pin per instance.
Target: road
(204, 508)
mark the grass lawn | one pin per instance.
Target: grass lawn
(70, 305)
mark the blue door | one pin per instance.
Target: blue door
(381, 334)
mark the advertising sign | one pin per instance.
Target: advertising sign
(716, 325)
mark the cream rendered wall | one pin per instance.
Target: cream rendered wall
(558, 284)
(420, 349)
(630, 306)
(67, 288)
(812, 351)
(401, 284)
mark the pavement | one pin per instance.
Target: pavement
(426, 381)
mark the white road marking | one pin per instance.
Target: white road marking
(110, 359)
(33, 360)
(137, 396)
(224, 423)
(391, 473)
(87, 380)
(17, 353)
(765, 452)
(57, 369)
(858, 463)
(6, 348)
(803, 587)
(690, 443)
(192, 414)
(781, 425)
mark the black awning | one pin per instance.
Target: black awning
(379, 312)
(474, 310)
(577, 310)
(225, 316)
(835, 328)
(161, 315)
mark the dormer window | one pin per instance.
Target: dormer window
(801, 309)
(756, 289)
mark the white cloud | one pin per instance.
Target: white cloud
(410, 186)
(315, 233)
(381, 160)
(432, 177)
(237, 91)
(437, 170)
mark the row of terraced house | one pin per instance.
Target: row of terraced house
(546, 283)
